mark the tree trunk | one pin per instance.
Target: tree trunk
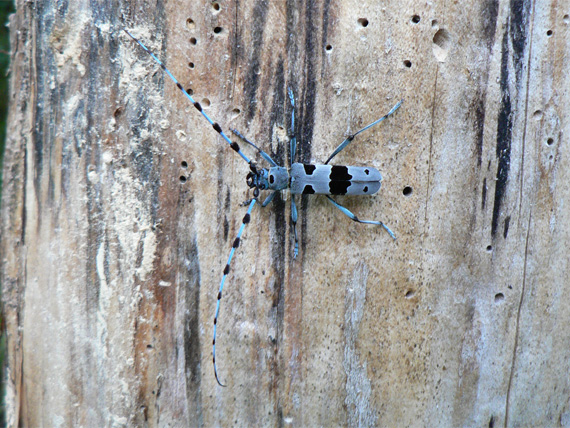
(120, 206)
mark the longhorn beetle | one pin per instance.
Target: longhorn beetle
(299, 178)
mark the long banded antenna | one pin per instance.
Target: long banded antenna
(215, 125)
(235, 245)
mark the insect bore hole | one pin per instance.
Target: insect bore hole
(235, 112)
(191, 65)
(189, 91)
(218, 30)
(193, 41)
(549, 33)
(416, 19)
(407, 191)
(499, 297)
(550, 141)
(363, 22)
(489, 248)
(328, 48)
(190, 24)
(407, 63)
(184, 164)
(182, 179)
(216, 7)
(441, 44)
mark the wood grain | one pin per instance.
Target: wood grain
(120, 205)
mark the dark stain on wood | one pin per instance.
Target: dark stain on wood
(258, 20)
(504, 136)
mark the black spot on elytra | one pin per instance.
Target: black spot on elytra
(365, 189)
(340, 173)
(309, 169)
(339, 187)
(271, 179)
(308, 190)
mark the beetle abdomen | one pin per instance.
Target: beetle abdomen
(334, 180)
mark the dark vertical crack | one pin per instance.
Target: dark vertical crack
(259, 16)
(324, 27)
(526, 116)
(506, 227)
(430, 148)
(236, 48)
(483, 194)
(279, 245)
(518, 22)
(504, 136)
(42, 70)
(517, 34)
(520, 19)
(479, 123)
(192, 345)
(489, 12)
(307, 106)
(517, 328)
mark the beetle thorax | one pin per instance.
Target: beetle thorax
(278, 178)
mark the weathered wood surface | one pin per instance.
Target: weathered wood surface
(111, 263)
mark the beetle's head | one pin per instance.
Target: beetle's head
(257, 179)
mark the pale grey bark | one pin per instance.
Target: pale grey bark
(111, 262)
